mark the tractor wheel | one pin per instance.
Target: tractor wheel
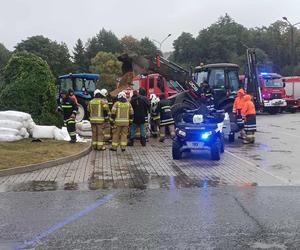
(176, 153)
(82, 110)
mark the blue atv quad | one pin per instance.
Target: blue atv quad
(199, 129)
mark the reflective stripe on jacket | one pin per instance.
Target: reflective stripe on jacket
(122, 113)
(165, 112)
(99, 110)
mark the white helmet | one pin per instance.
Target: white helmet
(152, 96)
(97, 91)
(104, 92)
(154, 101)
(122, 94)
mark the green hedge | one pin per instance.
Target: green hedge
(29, 87)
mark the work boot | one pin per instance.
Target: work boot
(143, 141)
(123, 149)
(161, 140)
(130, 143)
(113, 149)
(72, 141)
(102, 148)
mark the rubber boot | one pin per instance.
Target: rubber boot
(130, 143)
(143, 141)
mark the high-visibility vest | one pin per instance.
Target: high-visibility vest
(98, 109)
(123, 112)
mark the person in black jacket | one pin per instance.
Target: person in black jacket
(207, 94)
(140, 107)
(166, 118)
(69, 109)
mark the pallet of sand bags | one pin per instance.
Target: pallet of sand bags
(83, 126)
(10, 134)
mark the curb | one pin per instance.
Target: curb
(47, 164)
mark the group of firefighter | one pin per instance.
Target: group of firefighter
(121, 121)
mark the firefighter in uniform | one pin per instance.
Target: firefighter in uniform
(237, 110)
(154, 116)
(166, 118)
(69, 109)
(99, 114)
(207, 95)
(249, 115)
(107, 127)
(121, 118)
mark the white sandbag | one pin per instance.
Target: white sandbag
(83, 126)
(23, 132)
(29, 124)
(14, 116)
(10, 124)
(64, 131)
(7, 137)
(85, 133)
(43, 132)
(59, 135)
(9, 131)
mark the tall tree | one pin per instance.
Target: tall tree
(80, 57)
(55, 54)
(104, 41)
(4, 55)
(130, 44)
(147, 47)
(32, 78)
(185, 50)
(109, 68)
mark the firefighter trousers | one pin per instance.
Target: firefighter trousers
(71, 127)
(107, 131)
(119, 137)
(154, 127)
(98, 135)
(162, 131)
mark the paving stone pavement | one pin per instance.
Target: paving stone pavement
(143, 167)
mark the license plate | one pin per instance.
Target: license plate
(195, 144)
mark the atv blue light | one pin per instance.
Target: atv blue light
(205, 135)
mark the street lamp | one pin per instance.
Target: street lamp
(292, 26)
(162, 41)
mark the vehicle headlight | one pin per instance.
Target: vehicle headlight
(181, 133)
(206, 135)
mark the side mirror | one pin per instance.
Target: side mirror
(283, 83)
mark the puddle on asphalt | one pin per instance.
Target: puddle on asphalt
(34, 186)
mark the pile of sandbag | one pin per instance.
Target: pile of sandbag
(48, 132)
(84, 128)
(15, 125)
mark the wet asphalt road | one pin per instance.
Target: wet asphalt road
(208, 218)
(171, 217)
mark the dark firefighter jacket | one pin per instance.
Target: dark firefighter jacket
(68, 107)
(165, 112)
(140, 107)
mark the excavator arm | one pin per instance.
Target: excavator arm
(252, 85)
(133, 64)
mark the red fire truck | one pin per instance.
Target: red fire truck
(292, 89)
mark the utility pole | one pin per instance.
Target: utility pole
(162, 41)
(292, 26)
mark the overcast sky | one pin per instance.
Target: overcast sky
(68, 20)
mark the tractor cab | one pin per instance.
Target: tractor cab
(223, 78)
(84, 85)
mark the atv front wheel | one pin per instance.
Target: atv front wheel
(215, 151)
(176, 153)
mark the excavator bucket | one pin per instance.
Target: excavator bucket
(132, 65)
